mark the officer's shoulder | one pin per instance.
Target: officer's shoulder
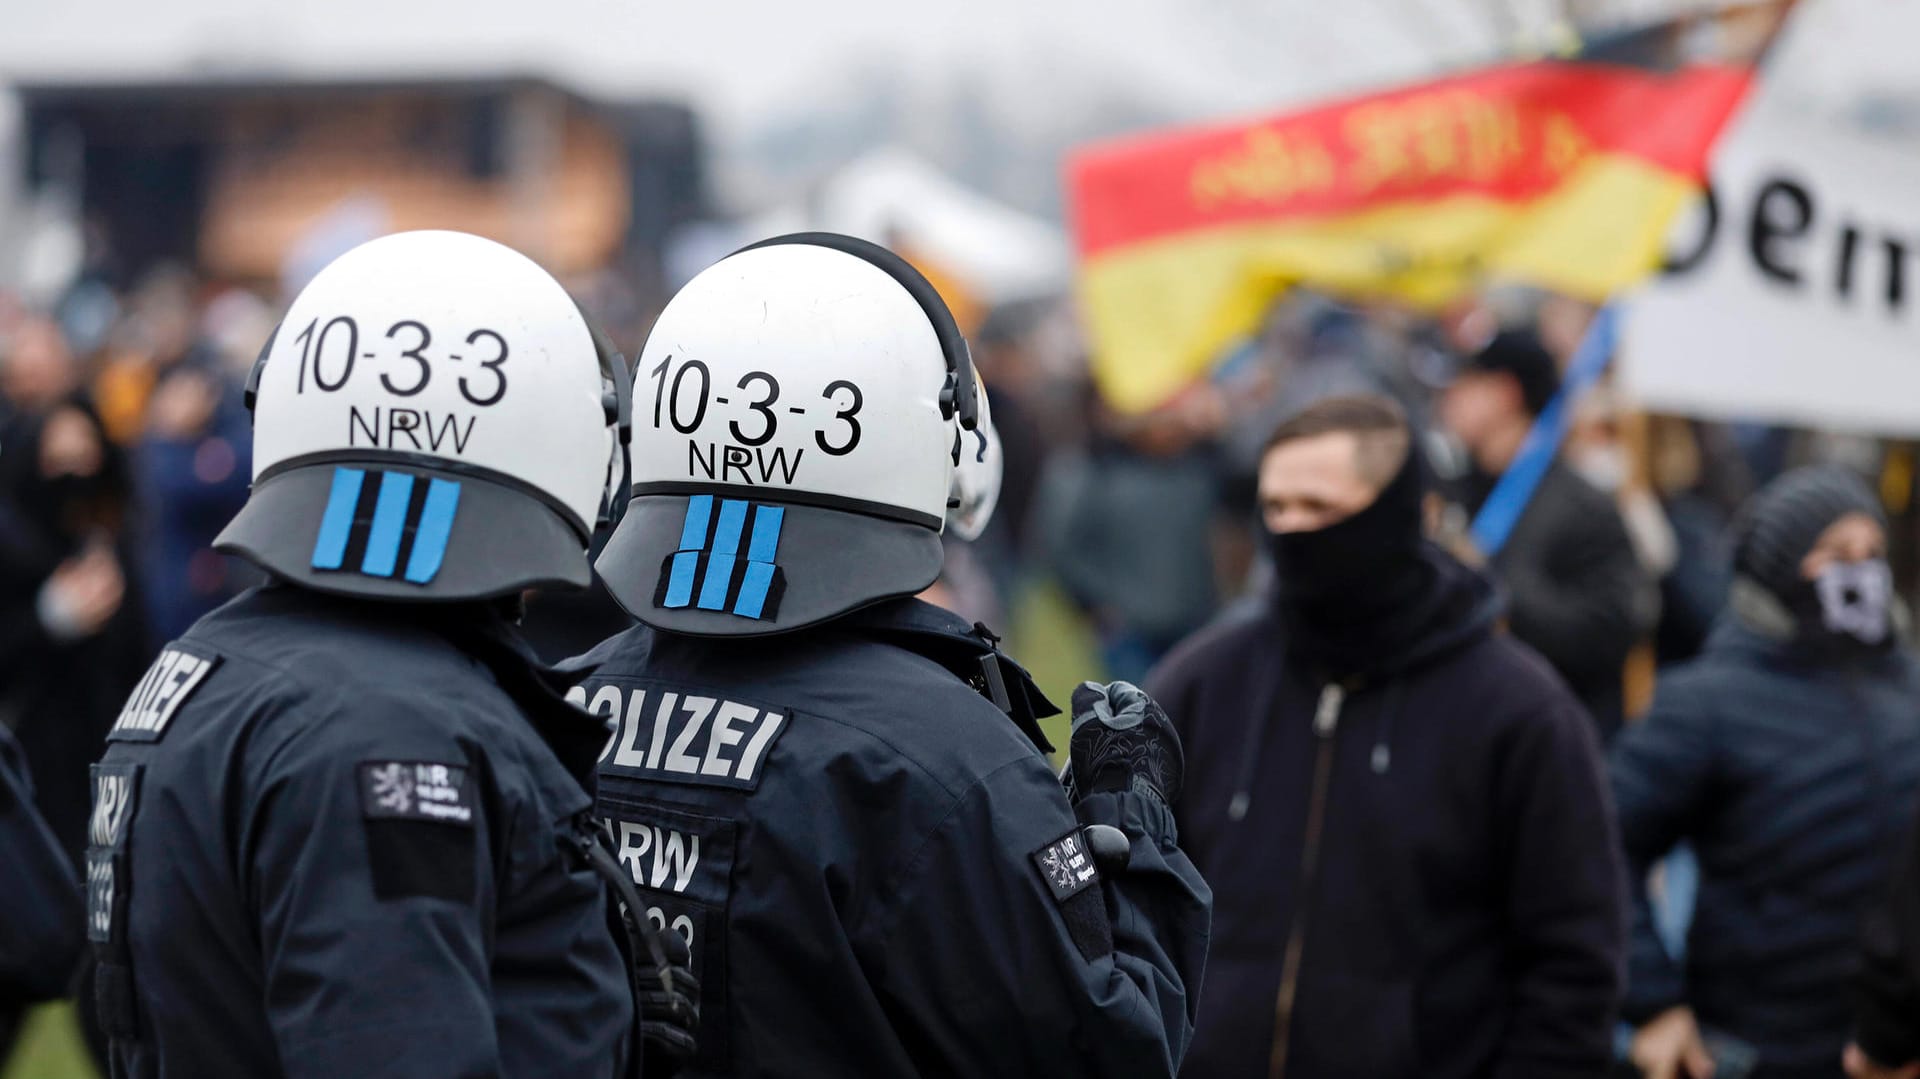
(316, 644)
(855, 688)
(923, 711)
(619, 653)
(339, 666)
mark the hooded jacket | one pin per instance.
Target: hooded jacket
(1793, 776)
(1414, 873)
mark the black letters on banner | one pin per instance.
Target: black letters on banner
(1785, 247)
(1770, 227)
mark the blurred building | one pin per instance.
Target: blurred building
(250, 180)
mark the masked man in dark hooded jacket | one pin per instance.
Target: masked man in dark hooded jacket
(1788, 755)
(1400, 808)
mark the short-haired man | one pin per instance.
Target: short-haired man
(1401, 810)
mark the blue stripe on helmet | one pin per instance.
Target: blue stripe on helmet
(761, 550)
(686, 562)
(693, 530)
(389, 524)
(431, 534)
(726, 546)
(336, 522)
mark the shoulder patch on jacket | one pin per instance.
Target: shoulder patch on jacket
(174, 676)
(416, 790)
(407, 807)
(1067, 866)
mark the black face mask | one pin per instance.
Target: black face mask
(1336, 586)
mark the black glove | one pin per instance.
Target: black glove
(1121, 740)
(669, 1006)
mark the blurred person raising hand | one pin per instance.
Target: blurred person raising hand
(69, 628)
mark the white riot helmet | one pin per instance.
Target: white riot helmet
(434, 420)
(799, 411)
(976, 479)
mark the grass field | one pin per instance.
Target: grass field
(49, 1048)
(1046, 635)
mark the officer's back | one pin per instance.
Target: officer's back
(877, 870)
(340, 828)
(316, 783)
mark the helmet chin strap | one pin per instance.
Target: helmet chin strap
(617, 405)
(252, 392)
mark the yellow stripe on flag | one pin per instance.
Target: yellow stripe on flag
(1161, 311)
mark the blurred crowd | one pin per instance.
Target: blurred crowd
(1722, 602)
(124, 446)
(1761, 776)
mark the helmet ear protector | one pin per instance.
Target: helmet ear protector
(960, 397)
(616, 401)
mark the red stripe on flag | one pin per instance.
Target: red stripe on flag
(1511, 132)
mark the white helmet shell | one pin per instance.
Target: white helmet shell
(833, 393)
(437, 357)
(977, 478)
(806, 383)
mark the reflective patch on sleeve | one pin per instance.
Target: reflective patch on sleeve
(174, 676)
(408, 807)
(416, 790)
(1067, 866)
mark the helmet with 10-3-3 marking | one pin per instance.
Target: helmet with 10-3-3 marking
(434, 420)
(800, 406)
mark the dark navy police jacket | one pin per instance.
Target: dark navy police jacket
(876, 869)
(335, 838)
(40, 942)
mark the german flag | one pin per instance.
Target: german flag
(1563, 174)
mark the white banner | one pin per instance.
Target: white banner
(1795, 291)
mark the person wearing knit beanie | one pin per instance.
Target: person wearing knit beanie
(1785, 755)
(1814, 540)
(1781, 523)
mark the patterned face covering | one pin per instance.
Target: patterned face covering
(1855, 600)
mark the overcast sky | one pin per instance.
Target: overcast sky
(745, 61)
(741, 59)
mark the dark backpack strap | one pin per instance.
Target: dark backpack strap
(642, 944)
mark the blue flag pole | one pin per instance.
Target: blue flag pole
(1502, 510)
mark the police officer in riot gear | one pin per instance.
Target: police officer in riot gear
(343, 827)
(834, 792)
